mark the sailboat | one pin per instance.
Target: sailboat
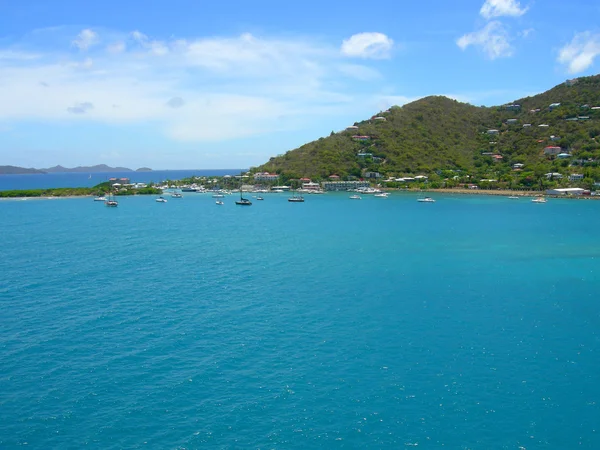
(295, 198)
(110, 201)
(243, 201)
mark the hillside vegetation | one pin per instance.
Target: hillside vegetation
(436, 134)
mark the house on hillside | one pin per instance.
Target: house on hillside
(334, 177)
(379, 118)
(372, 175)
(544, 125)
(552, 150)
(563, 155)
(553, 106)
(513, 107)
(518, 165)
(554, 138)
(265, 176)
(511, 121)
(493, 132)
(526, 125)
(352, 127)
(497, 157)
(361, 138)
(553, 175)
(576, 177)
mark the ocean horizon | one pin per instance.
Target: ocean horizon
(469, 323)
(86, 179)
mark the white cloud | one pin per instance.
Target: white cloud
(86, 39)
(525, 33)
(116, 47)
(233, 87)
(368, 45)
(499, 8)
(492, 39)
(580, 53)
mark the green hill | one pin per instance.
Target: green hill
(436, 133)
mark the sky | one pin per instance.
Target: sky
(195, 84)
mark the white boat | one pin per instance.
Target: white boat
(219, 202)
(539, 200)
(100, 199)
(259, 198)
(513, 196)
(381, 194)
(355, 197)
(426, 200)
(161, 200)
(176, 195)
(218, 196)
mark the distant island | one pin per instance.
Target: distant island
(15, 170)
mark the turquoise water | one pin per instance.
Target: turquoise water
(473, 322)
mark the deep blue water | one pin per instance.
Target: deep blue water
(57, 180)
(472, 323)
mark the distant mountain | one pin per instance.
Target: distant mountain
(144, 169)
(437, 133)
(86, 169)
(14, 170)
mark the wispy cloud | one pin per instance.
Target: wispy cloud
(86, 39)
(80, 108)
(499, 8)
(368, 45)
(193, 89)
(493, 40)
(579, 54)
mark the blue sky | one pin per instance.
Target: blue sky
(197, 84)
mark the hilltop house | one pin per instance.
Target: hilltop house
(553, 106)
(361, 138)
(265, 176)
(552, 150)
(576, 177)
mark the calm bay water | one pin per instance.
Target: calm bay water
(473, 322)
(58, 180)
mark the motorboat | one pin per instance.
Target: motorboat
(219, 202)
(296, 199)
(426, 200)
(218, 196)
(176, 195)
(513, 197)
(161, 200)
(100, 199)
(381, 194)
(355, 197)
(539, 200)
(259, 198)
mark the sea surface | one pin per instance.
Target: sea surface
(58, 180)
(469, 323)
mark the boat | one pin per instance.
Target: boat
(220, 202)
(102, 198)
(176, 195)
(218, 195)
(110, 201)
(259, 198)
(242, 201)
(539, 200)
(161, 200)
(426, 200)
(355, 197)
(381, 194)
(513, 197)
(295, 198)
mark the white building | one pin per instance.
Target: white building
(566, 191)
(576, 177)
(266, 176)
(492, 132)
(343, 185)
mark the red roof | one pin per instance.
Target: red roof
(304, 179)
(334, 176)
